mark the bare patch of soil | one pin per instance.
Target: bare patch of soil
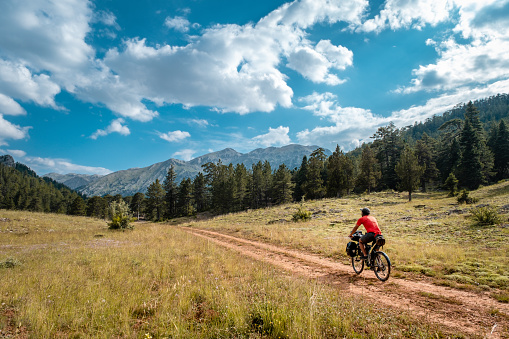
(457, 311)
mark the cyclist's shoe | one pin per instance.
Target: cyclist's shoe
(364, 257)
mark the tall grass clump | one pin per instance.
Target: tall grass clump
(486, 216)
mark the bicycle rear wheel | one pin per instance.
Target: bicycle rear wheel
(381, 266)
(357, 264)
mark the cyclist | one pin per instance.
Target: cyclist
(371, 225)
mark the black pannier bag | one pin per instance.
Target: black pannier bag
(351, 249)
(380, 240)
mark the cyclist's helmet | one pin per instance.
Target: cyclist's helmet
(365, 211)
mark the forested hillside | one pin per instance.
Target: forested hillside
(22, 189)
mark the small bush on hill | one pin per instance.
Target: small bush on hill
(486, 215)
(120, 215)
(302, 215)
(464, 197)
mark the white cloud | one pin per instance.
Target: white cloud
(17, 81)
(398, 14)
(178, 23)
(10, 107)
(16, 153)
(46, 165)
(315, 63)
(116, 126)
(46, 35)
(62, 166)
(275, 137)
(185, 154)
(199, 122)
(11, 131)
(175, 136)
(351, 125)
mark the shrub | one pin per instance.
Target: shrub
(302, 215)
(464, 197)
(486, 215)
(9, 263)
(120, 215)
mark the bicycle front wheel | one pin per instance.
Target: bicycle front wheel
(357, 264)
(381, 266)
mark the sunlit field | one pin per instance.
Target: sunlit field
(432, 236)
(72, 277)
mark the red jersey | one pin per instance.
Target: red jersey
(370, 224)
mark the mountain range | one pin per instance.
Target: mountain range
(130, 181)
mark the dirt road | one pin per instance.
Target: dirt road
(458, 311)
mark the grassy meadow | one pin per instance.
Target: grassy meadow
(432, 236)
(64, 276)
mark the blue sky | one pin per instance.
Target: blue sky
(99, 86)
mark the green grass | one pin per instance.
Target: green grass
(75, 278)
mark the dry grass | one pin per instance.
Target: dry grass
(74, 278)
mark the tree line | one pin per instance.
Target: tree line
(461, 153)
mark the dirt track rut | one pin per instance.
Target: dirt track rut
(462, 311)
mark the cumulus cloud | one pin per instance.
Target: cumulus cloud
(177, 23)
(315, 63)
(275, 137)
(185, 154)
(17, 81)
(175, 136)
(351, 125)
(10, 107)
(116, 126)
(398, 14)
(11, 131)
(16, 153)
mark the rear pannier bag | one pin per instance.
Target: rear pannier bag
(380, 240)
(351, 249)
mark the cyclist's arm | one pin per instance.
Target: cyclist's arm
(353, 231)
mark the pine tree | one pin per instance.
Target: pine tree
(501, 151)
(314, 185)
(409, 171)
(241, 180)
(282, 185)
(200, 193)
(340, 177)
(155, 201)
(426, 158)
(476, 160)
(170, 189)
(387, 145)
(369, 170)
(78, 207)
(300, 179)
(185, 198)
(136, 204)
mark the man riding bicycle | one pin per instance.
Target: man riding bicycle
(372, 230)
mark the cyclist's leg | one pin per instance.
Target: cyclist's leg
(368, 237)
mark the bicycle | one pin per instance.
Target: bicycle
(377, 260)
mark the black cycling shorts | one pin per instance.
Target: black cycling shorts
(368, 237)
